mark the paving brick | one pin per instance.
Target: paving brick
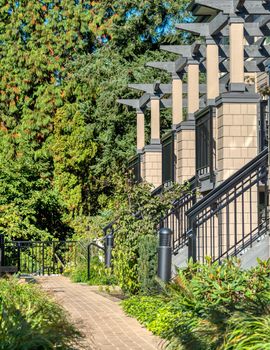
(100, 319)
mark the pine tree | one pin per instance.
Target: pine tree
(134, 32)
(62, 135)
(37, 39)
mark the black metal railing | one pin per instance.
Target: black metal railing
(263, 125)
(168, 160)
(134, 168)
(47, 257)
(99, 247)
(229, 218)
(176, 219)
(205, 143)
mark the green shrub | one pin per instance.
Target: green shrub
(147, 263)
(99, 275)
(135, 239)
(134, 255)
(30, 319)
(248, 332)
(210, 307)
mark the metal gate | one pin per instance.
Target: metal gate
(39, 257)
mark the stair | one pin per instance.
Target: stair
(260, 249)
(180, 259)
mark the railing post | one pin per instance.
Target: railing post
(268, 164)
(19, 256)
(108, 249)
(43, 262)
(88, 260)
(2, 250)
(165, 255)
(192, 248)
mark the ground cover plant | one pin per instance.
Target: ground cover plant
(30, 319)
(99, 275)
(210, 307)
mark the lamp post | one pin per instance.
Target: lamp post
(2, 250)
(165, 255)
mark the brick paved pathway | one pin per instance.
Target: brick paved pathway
(100, 318)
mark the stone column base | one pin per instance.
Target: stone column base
(185, 151)
(152, 165)
(237, 132)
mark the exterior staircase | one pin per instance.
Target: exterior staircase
(231, 220)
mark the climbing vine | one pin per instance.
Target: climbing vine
(135, 252)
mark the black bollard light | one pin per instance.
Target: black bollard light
(108, 249)
(165, 255)
(2, 250)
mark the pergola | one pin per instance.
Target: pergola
(231, 46)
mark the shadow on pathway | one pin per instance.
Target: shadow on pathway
(99, 318)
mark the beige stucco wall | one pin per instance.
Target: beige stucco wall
(152, 167)
(185, 155)
(236, 137)
(229, 228)
(237, 144)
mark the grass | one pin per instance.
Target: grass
(99, 275)
(31, 320)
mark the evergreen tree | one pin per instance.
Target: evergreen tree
(63, 65)
(37, 39)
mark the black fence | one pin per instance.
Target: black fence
(176, 218)
(168, 161)
(134, 169)
(231, 217)
(205, 143)
(48, 257)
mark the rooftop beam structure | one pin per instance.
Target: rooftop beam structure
(156, 89)
(252, 7)
(252, 29)
(140, 105)
(165, 103)
(165, 88)
(250, 51)
(234, 26)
